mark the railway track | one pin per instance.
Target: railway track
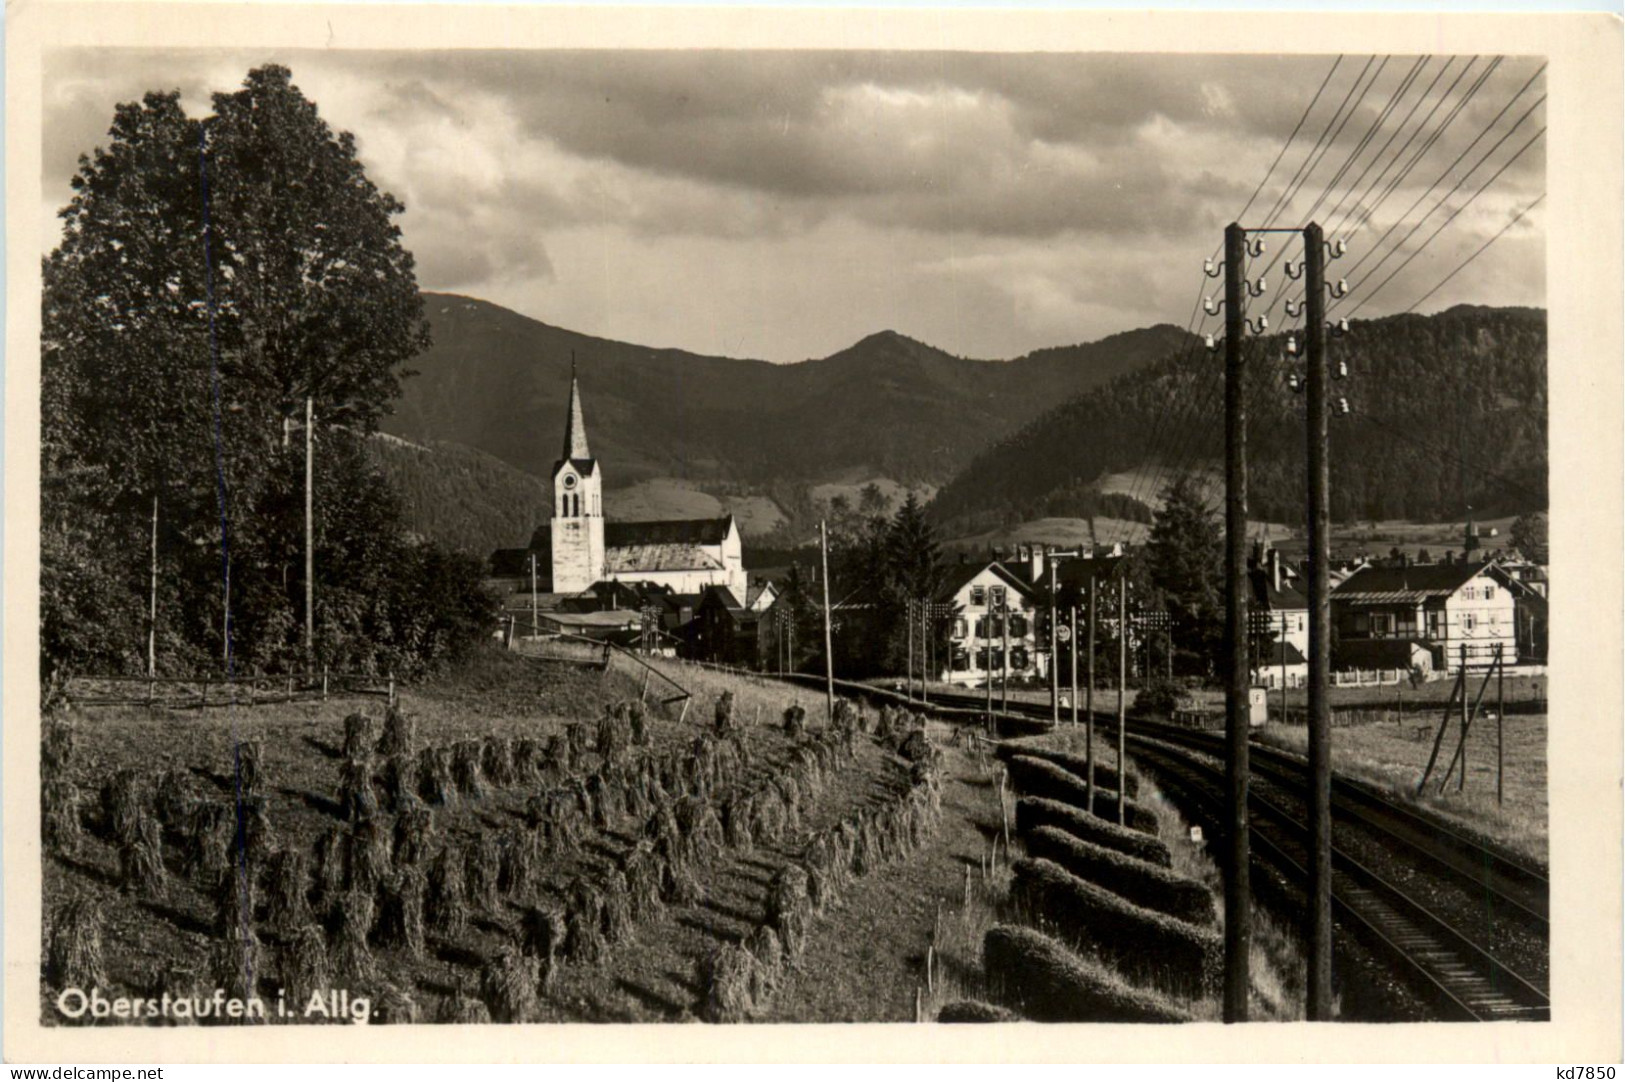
(1464, 981)
(1501, 881)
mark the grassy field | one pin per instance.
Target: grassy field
(1393, 756)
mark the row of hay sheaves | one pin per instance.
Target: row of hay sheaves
(385, 874)
(1103, 930)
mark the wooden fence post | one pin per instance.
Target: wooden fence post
(324, 683)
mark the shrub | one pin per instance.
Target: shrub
(1145, 946)
(1034, 812)
(1049, 983)
(1036, 777)
(973, 1010)
(1161, 696)
(1140, 882)
(73, 957)
(358, 741)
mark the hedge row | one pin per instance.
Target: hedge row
(1142, 883)
(1035, 812)
(1036, 777)
(1105, 776)
(1048, 983)
(1147, 947)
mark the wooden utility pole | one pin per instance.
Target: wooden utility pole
(1089, 706)
(1004, 669)
(1462, 785)
(310, 533)
(1320, 633)
(928, 637)
(829, 648)
(1072, 655)
(987, 651)
(1122, 689)
(535, 610)
(1237, 870)
(1500, 721)
(909, 620)
(152, 612)
(1054, 658)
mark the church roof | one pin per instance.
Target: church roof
(632, 559)
(681, 531)
(575, 427)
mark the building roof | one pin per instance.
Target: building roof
(1284, 598)
(960, 575)
(1283, 653)
(613, 618)
(680, 531)
(636, 559)
(575, 426)
(1407, 585)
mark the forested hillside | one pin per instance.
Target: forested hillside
(887, 406)
(1446, 410)
(462, 498)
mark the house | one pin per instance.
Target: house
(1280, 609)
(1443, 607)
(725, 631)
(1281, 663)
(991, 601)
(577, 549)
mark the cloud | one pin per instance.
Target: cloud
(785, 203)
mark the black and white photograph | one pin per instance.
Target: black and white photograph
(537, 534)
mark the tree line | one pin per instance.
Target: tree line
(214, 273)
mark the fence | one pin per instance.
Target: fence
(197, 692)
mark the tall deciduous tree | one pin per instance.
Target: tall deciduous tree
(213, 273)
(1529, 536)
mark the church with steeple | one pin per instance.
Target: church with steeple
(577, 555)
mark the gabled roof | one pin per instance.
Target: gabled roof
(681, 531)
(1283, 653)
(1407, 585)
(960, 575)
(1283, 599)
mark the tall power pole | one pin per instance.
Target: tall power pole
(535, 608)
(1054, 659)
(1089, 706)
(1072, 654)
(1237, 884)
(1320, 633)
(1122, 689)
(829, 649)
(310, 534)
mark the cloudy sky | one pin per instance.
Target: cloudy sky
(783, 205)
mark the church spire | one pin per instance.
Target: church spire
(575, 429)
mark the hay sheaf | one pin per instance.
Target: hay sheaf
(1105, 776)
(400, 733)
(1035, 812)
(509, 984)
(1145, 946)
(59, 815)
(401, 916)
(496, 762)
(358, 738)
(73, 955)
(974, 1010)
(358, 800)
(1048, 983)
(1041, 778)
(726, 978)
(302, 963)
(124, 802)
(288, 889)
(445, 903)
(481, 871)
(1144, 884)
(349, 956)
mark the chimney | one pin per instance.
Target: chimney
(1275, 569)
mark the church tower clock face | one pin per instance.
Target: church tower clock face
(569, 481)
